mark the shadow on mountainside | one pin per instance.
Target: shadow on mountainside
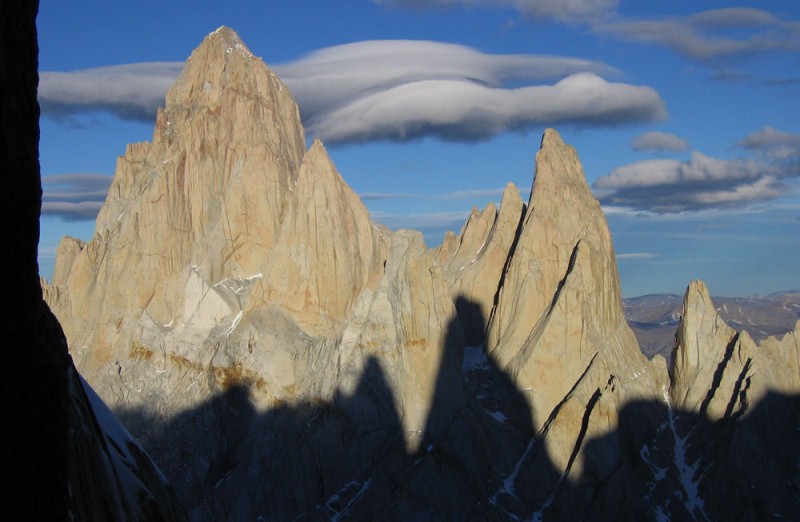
(479, 458)
(346, 459)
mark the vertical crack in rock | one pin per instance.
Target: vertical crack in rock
(511, 251)
(540, 513)
(739, 394)
(522, 356)
(715, 383)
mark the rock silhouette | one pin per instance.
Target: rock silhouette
(347, 458)
(64, 456)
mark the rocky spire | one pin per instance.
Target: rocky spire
(229, 123)
(475, 260)
(224, 204)
(713, 365)
(559, 305)
(250, 104)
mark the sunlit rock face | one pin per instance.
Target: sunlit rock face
(282, 356)
(558, 326)
(223, 220)
(736, 411)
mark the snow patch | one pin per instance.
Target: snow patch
(659, 473)
(335, 500)
(538, 516)
(234, 324)
(480, 251)
(687, 472)
(497, 415)
(121, 441)
(509, 482)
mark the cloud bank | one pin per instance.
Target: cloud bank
(393, 90)
(711, 35)
(707, 36)
(74, 197)
(702, 182)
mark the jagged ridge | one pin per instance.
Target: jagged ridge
(261, 306)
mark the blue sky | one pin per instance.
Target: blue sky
(686, 118)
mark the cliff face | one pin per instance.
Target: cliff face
(558, 326)
(280, 355)
(223, 192)
(224, 219)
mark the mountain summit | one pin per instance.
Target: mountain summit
(282, 356)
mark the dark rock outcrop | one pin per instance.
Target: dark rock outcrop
(34, 385)
(63, 456)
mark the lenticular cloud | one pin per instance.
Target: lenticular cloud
(394, 90)
(401, 90)
(131, 91)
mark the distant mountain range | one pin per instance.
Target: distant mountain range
(654, 318)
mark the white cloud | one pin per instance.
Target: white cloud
(641, 174)
(636, 256)
(394, 90)
(131, 91)
(567, 10)
(373, 66)
(464, 110)
(701, 183)
(699, 169)
(47, 252)
(761, 189)
(85, 210)
(773, 143)
(660, 141)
